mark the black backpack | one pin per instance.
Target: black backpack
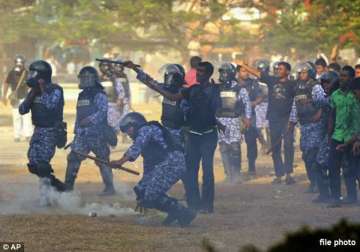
(200, 116)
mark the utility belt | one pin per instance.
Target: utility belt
(60, 129)
(203, 132)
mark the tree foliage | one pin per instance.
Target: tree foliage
(301, 24)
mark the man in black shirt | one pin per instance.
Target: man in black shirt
(202, 102)
(282, 118)
(16, 81)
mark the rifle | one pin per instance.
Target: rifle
(118, 62)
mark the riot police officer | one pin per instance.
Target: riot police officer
(330, 83)
(164, 165)
(235, 103)
(90, 130)
(251, 134)
(262, 124)
(172, 115)
(309, 96)
(46, 102)
(16, 79)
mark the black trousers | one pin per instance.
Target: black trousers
(349, 164)
(251, 136)
(200, 148)
(309, 157)
(280, 135)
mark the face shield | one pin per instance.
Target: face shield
(173, 75)
(87, 80)
(32, 78)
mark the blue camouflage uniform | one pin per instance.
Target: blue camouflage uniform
(92, 104)
(229, 141)
(162, 167)
(311, 135)
(323, 155)
(47, 111)
(178, 113)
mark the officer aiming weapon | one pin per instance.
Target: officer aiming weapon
(118, 62)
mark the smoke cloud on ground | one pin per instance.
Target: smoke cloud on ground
(22, 197)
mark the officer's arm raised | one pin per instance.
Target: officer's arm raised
(153, 85)
(250, 70)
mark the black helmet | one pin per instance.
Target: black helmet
(88, 77)
(306, 67)
(332, 78)
(263, 65)
(39, 69)
(132, 119)
(227, 72)
(174, 75)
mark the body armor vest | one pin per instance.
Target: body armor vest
(44, 117)
(305, 106)
(86, 103)
(230, 106)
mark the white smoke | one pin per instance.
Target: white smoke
(22, 197)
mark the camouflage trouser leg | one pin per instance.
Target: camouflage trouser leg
(84, 145)
(231, 157)
(102, 151)
(164, 175)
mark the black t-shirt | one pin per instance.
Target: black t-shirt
(204, 118)
(13, 79)
(281, 97)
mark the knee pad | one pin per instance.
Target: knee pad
(41, 169)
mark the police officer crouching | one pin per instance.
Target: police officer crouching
(91, 130)
(164, 165)
(46, 102)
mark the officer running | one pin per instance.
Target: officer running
(46, 102)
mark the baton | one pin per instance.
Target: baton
(105, 162)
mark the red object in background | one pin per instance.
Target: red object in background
(190, 77)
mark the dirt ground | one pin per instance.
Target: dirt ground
(252, 212)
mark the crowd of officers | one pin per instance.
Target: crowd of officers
(199, 113)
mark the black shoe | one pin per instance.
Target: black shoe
(349, 201)
(206, 210)
(57, 184)
(107, 192)
(289, 180)
(334, 203)
(311, 189)
(170, 219)
(252, 173)
(321, 199)
(185, 216)
(276, 181)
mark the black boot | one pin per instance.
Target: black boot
(175, 211)
(57, 184)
